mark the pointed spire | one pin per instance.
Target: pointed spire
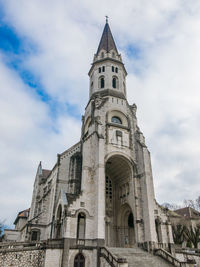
(107, 42)
(40, 168)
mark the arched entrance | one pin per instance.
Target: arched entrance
(120, 230)
(126, 227)
(79, 260)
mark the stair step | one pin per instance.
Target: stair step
(137, 257)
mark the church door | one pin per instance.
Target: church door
(126, 231)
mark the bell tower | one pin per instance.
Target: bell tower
(116, 169)
(107, 71)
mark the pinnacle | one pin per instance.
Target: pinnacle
(107, 42)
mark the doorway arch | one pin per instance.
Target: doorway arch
(120, 230)
(126, 227)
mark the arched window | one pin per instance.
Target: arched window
(79, 260)
(99, 70)
(116, 120)
(113, 54)
(81, 226)
(103, 68)
(113, 69)
(116, 70)
(102, 54)
(102, 82)
(114, 82)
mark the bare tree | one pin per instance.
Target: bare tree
(1, 230)
(171, 206)
(2, 226)
(195, 204)
(193, 235)
(189, 203)
(198, 203)
(179, 233)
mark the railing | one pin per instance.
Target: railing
(188, 250)
(58, 243)
(168, 257)
(113, 261)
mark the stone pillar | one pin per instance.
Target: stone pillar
(100, 192)
(65, 256)
(148, 199)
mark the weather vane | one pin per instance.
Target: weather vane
(106, 19)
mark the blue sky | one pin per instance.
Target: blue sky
(46, 49)
(15, 50)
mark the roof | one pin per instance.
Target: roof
(107, 42)
(22, 214)
(188, 212)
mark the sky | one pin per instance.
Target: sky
(46, 50)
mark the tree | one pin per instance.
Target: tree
(193, 235)
(198, 203)
(171, 206)
(179, 233)
(189, 203)
(2, 226)
(195, 204)
(1, 231)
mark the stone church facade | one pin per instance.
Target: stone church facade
(100, 192)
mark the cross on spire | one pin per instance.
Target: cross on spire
(106, 19)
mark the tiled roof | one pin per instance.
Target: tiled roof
(22, 214)
(107, 42)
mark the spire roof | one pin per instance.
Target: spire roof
(107, 42)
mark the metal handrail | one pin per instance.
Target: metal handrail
(167, 256)
(112, 260)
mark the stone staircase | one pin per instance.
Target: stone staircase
(137, 257)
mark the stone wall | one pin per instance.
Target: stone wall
(24, 258)
(31, 254)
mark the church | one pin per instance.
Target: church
(98, 199)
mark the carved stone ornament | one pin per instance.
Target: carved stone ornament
(98, 101)
(98, 120)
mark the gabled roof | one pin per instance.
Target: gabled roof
(107, 42)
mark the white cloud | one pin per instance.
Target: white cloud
(163, 81)
(25, 125)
